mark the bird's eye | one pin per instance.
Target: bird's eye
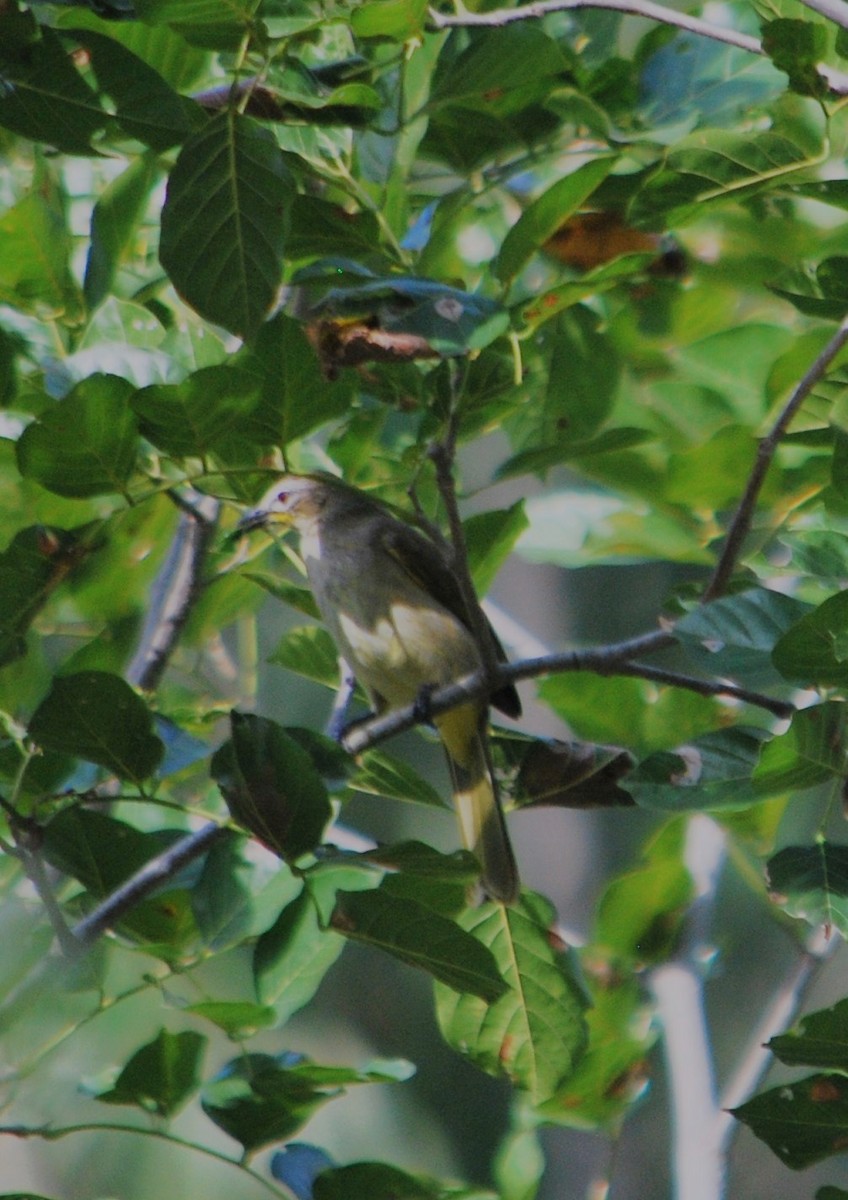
(282, 497)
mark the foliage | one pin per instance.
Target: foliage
(386, 241)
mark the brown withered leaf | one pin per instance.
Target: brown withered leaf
(563, 774)
(352, 343)
(588, 240)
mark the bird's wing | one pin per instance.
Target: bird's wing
(425, 564)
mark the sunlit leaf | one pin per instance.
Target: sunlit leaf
(535, 1033)
(161, 1076)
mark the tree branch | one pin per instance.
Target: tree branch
(740, 526)
(833, 9)
(678, 990)
(636, 8)
(175, 590)
(605, 660)
(145, 881)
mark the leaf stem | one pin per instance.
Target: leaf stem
(50, 1135)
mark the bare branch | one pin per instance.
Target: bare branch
(615, 659)
(27, 837)
(678, 990)
(636, 8)
(175, 590)
(741, 524)
(835, 10)
(146, 880)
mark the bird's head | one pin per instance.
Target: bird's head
(293, 500)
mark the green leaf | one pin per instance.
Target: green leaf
(35, 563)
(207, 23)
(310, 651)
(224, 222)
(160, 1076)
(577, 528)
(713, 165)
(35, 253)
(146, 107)
(541, 219)
(420, 937)
(611, 1076)
(102, 853)
(114, 221)
(819, 553)
(258, 1099)
(809, 753)
(98, 717)
(490, 538)
(296, 397)
(640, 912)
(713, 771)
(820, 1041)
(535, 1033)
(374, 1181)
(734, 636)
(381, 774)
(271, 786)
(812, 882)
(45, 98)
(292, 957)
(797, 47)
(801, 1122)
(98, 850)
(238, 1018)
(320, 229)
(86, 444)
(395, 19)
(815, 649)
(209, 410)
(498, 71)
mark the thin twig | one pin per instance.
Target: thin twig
(54, 1134)
(443, 456)
(29, 856)
(741, 524)
(146, 880)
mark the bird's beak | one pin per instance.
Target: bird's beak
(254, 518)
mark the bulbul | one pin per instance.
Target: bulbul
(395, 610)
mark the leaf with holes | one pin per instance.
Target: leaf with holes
(536, 1032)
(812, 882)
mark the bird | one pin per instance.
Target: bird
(393, 604)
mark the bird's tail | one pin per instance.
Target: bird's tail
(478, 807)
